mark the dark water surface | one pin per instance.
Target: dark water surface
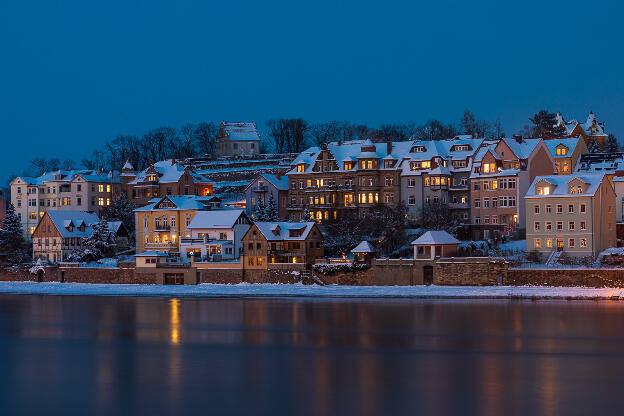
(127, 355)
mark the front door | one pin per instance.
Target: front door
(428, 275)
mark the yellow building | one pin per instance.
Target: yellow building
(161, 223)
(566, 153)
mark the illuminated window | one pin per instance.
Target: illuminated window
(583, 242)
(538, 242)
(101, 202)
(100, 188)
(107, 188)
(250, 261)
(301, 167)
(494, 184)
(549, 242)
(369, 164)
(259, 261)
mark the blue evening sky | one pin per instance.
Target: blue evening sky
(74, 74)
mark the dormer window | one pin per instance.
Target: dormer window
(421, 164)
(150, 178)
(543, 190)
(418, 149)
(489, 167)
(367, 164)
(389, 163)
(460, 148)
(348, 165)
(301, 167)
(562, 151)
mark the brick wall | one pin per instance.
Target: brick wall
(566, 277)
(227, 276)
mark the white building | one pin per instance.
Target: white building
(215, 235)
(238, 139)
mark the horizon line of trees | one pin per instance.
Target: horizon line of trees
(285, 135)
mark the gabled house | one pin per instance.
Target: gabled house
(566, 153)
(61, 231)
(166, 177)
(215, 235)
(502, 172)
(263, 188)
(268, 245)
(238, 139)
(592, 129)
(571, 213)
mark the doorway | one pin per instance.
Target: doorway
(428, 275)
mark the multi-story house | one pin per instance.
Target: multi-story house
(571, 213)
(618, 186)
(83, 190)
(61, 231)
(237, 139)
(591, 129)
(345, 179)
(215, 235)
(265, 187)
(501, 174)
(162, 178)
(267, 245)
(435, 173)
(566, 153)
(163, 221)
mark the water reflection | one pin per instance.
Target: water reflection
(123, 355)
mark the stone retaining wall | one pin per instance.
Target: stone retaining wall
(470, 271)
(223, 276)
(566, 277)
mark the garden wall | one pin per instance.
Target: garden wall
(566, 277)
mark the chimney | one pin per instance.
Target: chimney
(517, 138)
(389, 147)
(278, 175)
(150, 162)
(173, 162)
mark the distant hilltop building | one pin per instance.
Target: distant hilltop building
(238, 139)
(591, 129)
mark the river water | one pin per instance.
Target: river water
(130, 355)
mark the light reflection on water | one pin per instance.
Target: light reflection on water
(292, 356)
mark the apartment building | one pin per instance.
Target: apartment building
(266, 245)
(345, 179)
(162, 178)
(434, 173)
(502, 172)
(237, 139)
(571, 213)
(164, 221)
(82, 190)
(566, 153)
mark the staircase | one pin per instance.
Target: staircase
(553, 258)
(308, 275)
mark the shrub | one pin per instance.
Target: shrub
(330, 269)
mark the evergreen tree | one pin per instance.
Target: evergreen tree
(100, 244)
(612, 144)
(271, 211)
(121, 209)
(306, 215)
(260, 211)
(545, 125)
(12, 243)
(593, 146)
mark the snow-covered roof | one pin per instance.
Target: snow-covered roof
(570, 143)
(268, 230)
(560, 185)
(522, 149)
(128, 166)
(181, 202)
(216, 218)
(168, 171)
(364, 247)
(241, 130)
(66, 176)
(280, 183)
(62, 219)
(587, 126)
(435, 237)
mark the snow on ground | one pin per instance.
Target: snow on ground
(300, 290)
(514, 245)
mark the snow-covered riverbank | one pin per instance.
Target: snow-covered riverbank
(299, 290)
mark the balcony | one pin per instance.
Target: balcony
(293, 207)
(262, 188)
(192, 240)
(458, 205)
(163, 227)
(167, 246)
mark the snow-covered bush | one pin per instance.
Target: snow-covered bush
(329, 269)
